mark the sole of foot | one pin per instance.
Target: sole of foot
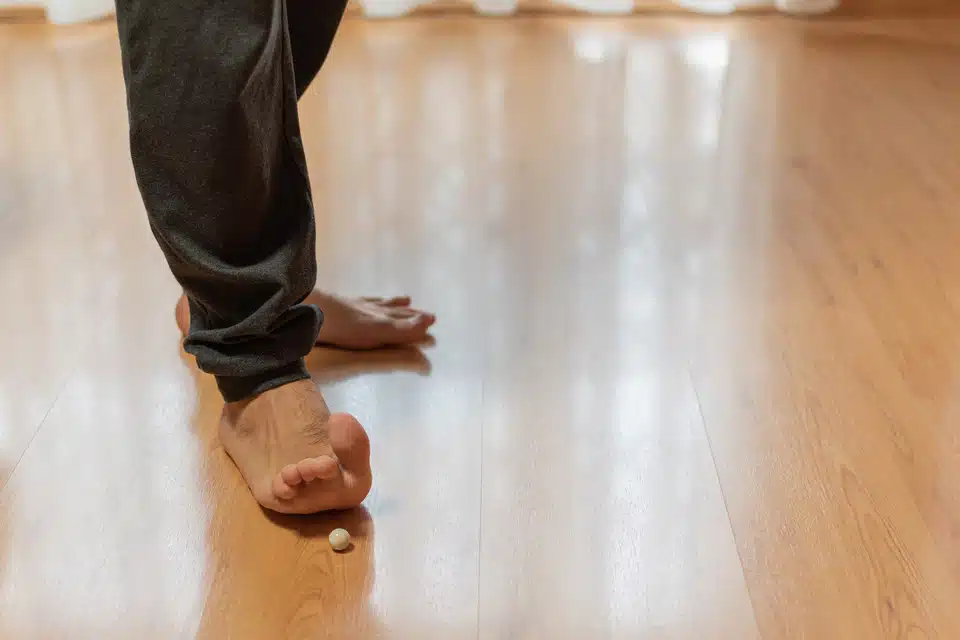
(295, 455)
(355, 323)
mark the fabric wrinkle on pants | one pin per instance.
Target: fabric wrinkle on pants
(215, 141)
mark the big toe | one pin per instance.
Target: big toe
(350, 443)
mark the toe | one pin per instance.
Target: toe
(408, 330)
(401, 312)
(282, 490)
(396, 301)
(319, 468)
(351, 442)
(424, 319)
(406, 312)
(291, 475)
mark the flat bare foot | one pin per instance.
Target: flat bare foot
(355, 323)
(294, 455)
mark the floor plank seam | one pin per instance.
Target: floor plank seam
(723, 498)
(43, 420)
(480, 508)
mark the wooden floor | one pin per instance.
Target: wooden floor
(696, 375)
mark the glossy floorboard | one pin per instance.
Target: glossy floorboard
(698, 293)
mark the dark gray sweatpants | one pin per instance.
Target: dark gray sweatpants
(212, 91)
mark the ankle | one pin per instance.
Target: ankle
(245, 388)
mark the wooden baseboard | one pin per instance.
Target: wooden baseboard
(26, 14)
(526, 7)
(33, 14)
(899, 8)
(848, 8)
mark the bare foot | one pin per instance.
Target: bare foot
(356, 323)
(294, 455)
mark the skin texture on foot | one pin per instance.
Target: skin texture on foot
(355, 323)
(295, 455)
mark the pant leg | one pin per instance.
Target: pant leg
(313, 25)
(216, 148)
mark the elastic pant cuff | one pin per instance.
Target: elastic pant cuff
(235, 388)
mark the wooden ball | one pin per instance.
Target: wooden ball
(339, 539)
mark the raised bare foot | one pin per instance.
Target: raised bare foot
(294, 455)
(356, 323)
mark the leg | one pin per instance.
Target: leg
(350, 323)
(216, 148)
(313, 26)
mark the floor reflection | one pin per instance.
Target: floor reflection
(633, 234)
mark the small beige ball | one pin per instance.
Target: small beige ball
(339, 539)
